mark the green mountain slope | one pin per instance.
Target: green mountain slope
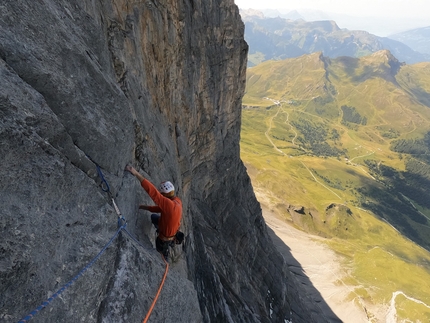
(341, 148)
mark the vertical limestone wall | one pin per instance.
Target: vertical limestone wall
(157, 84)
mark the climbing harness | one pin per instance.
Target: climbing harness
(120, 220)
(122, 223)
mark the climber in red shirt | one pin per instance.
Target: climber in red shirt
(169, 209)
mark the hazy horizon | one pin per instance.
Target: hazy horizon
(378, 17)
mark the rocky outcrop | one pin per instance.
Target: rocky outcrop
(155, 84)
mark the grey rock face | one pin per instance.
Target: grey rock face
(155, 84)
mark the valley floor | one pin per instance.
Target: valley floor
(311, 260)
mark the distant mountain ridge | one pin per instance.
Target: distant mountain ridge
(382, 26)
(418, 39)
(279, 38)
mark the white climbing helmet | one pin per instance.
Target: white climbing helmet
(166, 187)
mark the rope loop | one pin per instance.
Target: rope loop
(104, 184)
(122, 222)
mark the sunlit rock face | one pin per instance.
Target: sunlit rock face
(153, 84)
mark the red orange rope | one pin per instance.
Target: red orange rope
(158, 292)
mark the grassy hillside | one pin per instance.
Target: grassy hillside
(341, 148)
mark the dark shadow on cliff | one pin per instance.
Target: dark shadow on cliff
(310, 295)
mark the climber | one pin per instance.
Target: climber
(168, 208)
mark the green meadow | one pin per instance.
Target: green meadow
(346, 142)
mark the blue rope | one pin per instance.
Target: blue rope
(106, 187)
(135, 240)
(62, 289)
(121, 226)
(122, 221)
